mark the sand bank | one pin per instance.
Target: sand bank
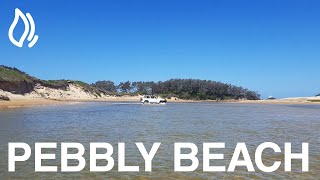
(17, 103)
(295, 100)
(47, 96)
(27, 102)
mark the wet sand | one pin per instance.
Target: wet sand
(300, 100)
(17, 103)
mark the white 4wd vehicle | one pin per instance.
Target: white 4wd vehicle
(151, 99)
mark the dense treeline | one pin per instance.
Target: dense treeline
(19, 82)
(181, 88)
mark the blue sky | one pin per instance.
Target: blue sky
(272, 46)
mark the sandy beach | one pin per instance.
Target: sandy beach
(27, 102)
(48, 96)
(17, 103)
(293, 100)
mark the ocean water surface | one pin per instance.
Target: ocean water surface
(174, 122)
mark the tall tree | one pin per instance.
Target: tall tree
(190, 89)
(125, 87)
(108, 86)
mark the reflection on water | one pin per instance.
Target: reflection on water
(190, 122)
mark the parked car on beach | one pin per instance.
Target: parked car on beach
(152, 99)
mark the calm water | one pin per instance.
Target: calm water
(191, 122)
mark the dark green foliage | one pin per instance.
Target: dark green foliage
(16, 81)
(89, 88)
(19, 82)
(64, 84)
(143, 87)
(15, 75)
(196, 89)
(314, 100)
(55, 84)
(125, 87)
(107, 86)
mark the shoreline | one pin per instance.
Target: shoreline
(28, 102)
(20, 103)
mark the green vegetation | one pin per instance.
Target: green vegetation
(107, 86)
(16, 81)
(125, 87)
(314, 100)
(81, 83)
(190, 89)
(64, 84)
(15, 75)
(89, 88)
(182, 88)
(56, 84)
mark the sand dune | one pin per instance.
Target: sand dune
(48, 96)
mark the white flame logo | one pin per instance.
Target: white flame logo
(27, 28)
